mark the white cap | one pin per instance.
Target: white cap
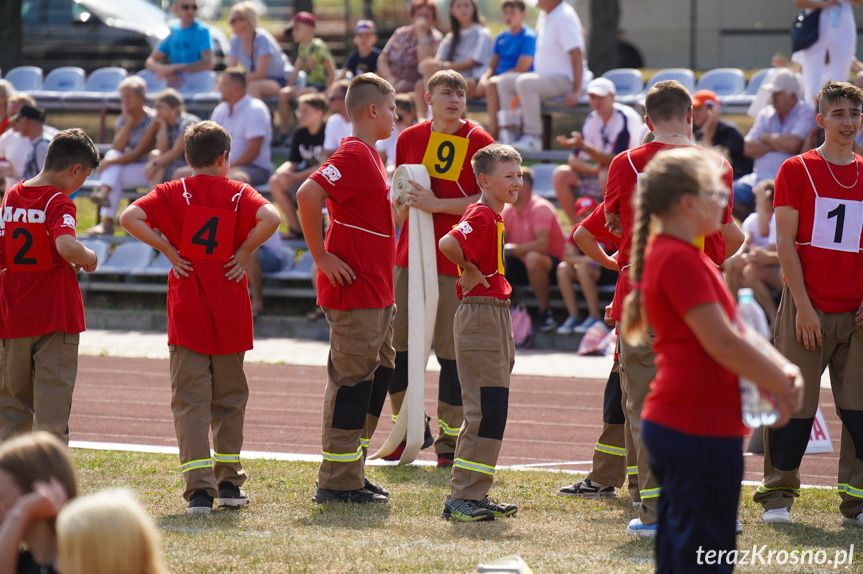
(601, 87)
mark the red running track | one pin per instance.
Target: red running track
(551, 419)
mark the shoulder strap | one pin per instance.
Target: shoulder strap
(815, 189)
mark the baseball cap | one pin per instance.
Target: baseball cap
(701, 97)
(585, 205)
(30, 112)
(782, 81)
(601, 87)
(306, 18)
(365, 27)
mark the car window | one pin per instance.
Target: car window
(139, 11)
(30, 11)
(59, 12)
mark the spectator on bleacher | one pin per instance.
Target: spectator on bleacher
(534, 247)
(248, 121)
(307, 144)
(13, 146)
(187, 48)
(410, 45)
(466, 49)
(7, 90)
(608, 130)
(170, 152)
(107, 533)
(313, 58)
(365, 58)
(338, 124)
(831, 56)
(777, 134)
(268, 258)
(30, 123)
(257, 52)
(711, 131)
(558, 68)
(123, 166)
(406, 116)
(512, 53)
(578, 267)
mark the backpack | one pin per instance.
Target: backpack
(522, 327)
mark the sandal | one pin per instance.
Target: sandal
(293, 236)
(100, 199)
(315, 315)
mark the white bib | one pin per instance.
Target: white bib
(838, 223)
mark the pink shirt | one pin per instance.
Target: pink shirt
(539, 213)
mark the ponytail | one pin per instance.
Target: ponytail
(634, 324)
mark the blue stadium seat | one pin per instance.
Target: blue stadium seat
(129, 256)
(627, 81)
(101, 85)
(154, 84)
(286, 267)
(99, 246)
(58, 83)
(723, 82)
(682, 75)
(301, 271)
(751, 89)
(542, 185)
(159, 268)
(25, 78)
(197, 83)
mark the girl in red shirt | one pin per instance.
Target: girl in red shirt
(692, 422)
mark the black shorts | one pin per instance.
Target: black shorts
(516, 272)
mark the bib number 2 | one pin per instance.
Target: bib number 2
(27, 247)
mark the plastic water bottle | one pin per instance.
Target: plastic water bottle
(835, 16)
(758, 406)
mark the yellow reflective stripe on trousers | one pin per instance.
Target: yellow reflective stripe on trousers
(226, 457)
(365, 442)
(395, 418)
(631, 470)
(447, 430)
(608, 449)
(202, 463)
(850, 490)
(649, 493)
(350, 457)
(474, 466)
(762, 489)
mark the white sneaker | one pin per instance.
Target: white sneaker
(638, 528)
(776, 516)
(856, 521)
(505, 136)
(528, 142)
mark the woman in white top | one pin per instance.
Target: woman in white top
(837, 38)
(258, 53)
(465, 49)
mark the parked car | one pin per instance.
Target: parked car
(95, 33)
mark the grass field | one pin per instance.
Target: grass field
(283, 531)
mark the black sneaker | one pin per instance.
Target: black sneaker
(428, 439)
(372, 487)
(231, 496)
(445, 460)
(587, 489)
(464, 511)
(200, 503)
(545, 321)
(359, 496)
(499, 509)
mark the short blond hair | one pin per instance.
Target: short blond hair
(448, 78)
(364, 90)
(486, 159)
(135, 84)
(247, 11)
(108, 533)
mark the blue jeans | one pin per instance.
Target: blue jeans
(700, 479)
(743, 194)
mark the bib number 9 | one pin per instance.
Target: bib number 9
(445, 156)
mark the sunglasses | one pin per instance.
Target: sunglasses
(192, 7)
(235, 20)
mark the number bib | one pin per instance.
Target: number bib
(28, 247)
(208, 233)
(444, 156)
(838, 224)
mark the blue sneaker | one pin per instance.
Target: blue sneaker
(637, 528)
(568, 326)
(588, 323)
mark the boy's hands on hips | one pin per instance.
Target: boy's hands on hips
(336, 270)
(237, 265)
(182, 268)
(470, 278)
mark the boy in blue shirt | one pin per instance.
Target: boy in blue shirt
(188, 47)
(513, 53)
(365, 57)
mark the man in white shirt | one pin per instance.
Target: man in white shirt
(338, 124)
(558, 69)
(248, 121)
(608, 130)
(14, 147)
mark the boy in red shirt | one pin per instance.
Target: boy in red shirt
(445, 145)
(41, 310)
(485, 356)
(211, 226)
(355, 288)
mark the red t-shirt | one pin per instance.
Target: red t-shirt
(47, 298)
(595, 223)
(691, 393)
(480, 234)
(411, 147)
(539, 213)
(362, 234)
(620, 192)
(834, 279)
(207, 313)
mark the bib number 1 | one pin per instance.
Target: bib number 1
(838, 224)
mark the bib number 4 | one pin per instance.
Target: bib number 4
(208, 233)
